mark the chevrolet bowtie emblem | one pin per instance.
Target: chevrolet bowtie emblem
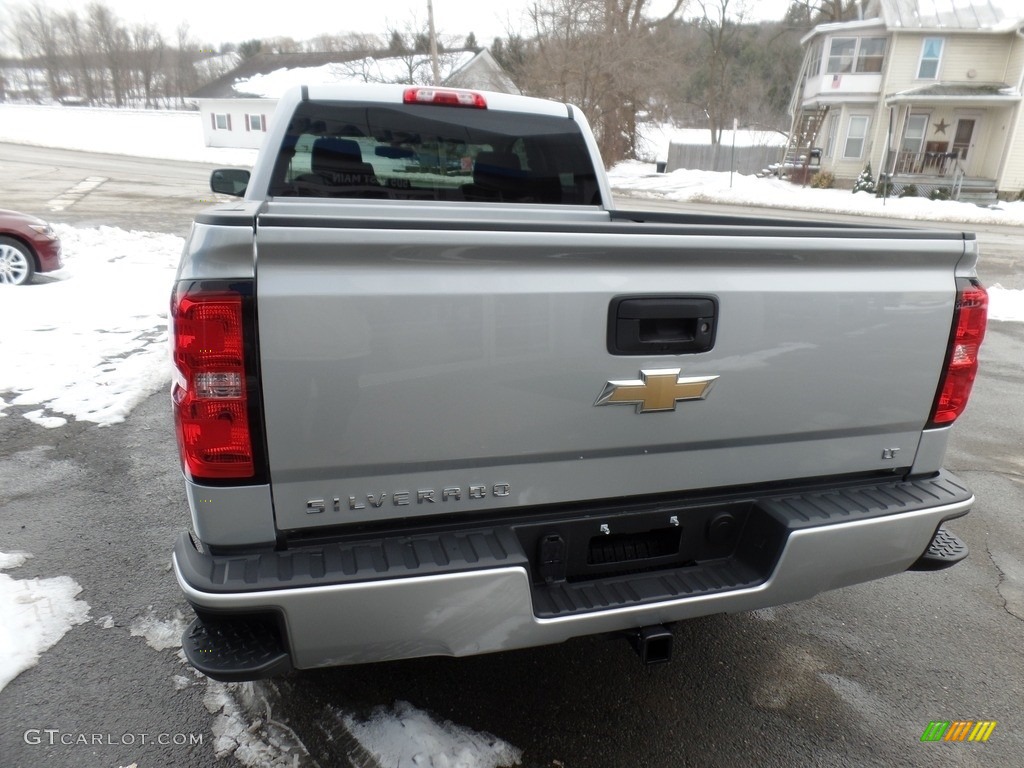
(656, 391)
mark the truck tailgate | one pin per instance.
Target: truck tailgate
(428, 368)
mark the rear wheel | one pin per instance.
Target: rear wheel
(17, 265)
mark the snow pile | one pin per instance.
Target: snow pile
(91, 339)
(713, 187)
(1005, 303)
(36, 614)
(258, 743)
(160, 635)
(406, 736)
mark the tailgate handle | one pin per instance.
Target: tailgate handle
(661, 325)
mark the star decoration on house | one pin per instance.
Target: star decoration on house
(941, 126)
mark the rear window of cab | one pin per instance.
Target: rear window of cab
(428, 152)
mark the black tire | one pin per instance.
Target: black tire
(17, 262)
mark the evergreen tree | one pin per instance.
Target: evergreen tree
(866, 181)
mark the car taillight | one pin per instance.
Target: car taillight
(969, 318)
(447, 97)
(212, 394)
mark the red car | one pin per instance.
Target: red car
(27, 245)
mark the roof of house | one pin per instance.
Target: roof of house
(933, 15)
(965, 15)
(269, 75)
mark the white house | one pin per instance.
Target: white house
(236, 108)
(927, 91)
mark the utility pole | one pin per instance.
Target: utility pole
(433, 44)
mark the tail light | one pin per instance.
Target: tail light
(447, 97)
(969, 318)
(214, 390)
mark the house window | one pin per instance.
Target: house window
(871, 54)
(931, 54)
(221, 122)
(856, 54)
(814, 62)
(255, 122)
(856, 135)
(913, 134)
(841, 54)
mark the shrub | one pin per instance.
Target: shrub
(909, 191)
(940, 193)
(823, 180)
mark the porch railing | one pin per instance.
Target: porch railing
(959, 174)
(927, 163)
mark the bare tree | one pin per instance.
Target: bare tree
(720, 24)
(603, 55)
(37, 36)
(148, 51)
(185, 80)
(352, 42)
(410, 44)
(81, 60)
(111, 40)
(807, 13)
(281, 44)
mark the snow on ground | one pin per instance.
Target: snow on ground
(1005, 303)
(244, 725)
(36, 614)
(405, 735)
(160, 635)
(654, 138)
(138, 133)
(90, 339)
(714, 187)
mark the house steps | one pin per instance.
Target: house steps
(802, 137)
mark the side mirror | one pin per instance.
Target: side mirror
(230, 181)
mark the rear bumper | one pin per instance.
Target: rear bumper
(480, 591)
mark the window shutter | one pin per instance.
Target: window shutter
(247, 122)
(229, 121)
(263, 122)
(213, 120)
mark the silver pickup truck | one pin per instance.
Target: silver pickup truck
(434, 395)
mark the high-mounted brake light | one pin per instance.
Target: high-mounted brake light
(969, 318)
(444, 97)
(210, 395)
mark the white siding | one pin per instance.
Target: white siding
(235, 113)
(986, 55)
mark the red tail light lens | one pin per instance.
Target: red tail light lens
(445, 97)
(969, 320)
(210, 395)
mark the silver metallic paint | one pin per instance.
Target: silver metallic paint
(394, 359)
(232, 516)
(484, 611)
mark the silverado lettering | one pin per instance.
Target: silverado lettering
(428, 495)
(411, 290)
